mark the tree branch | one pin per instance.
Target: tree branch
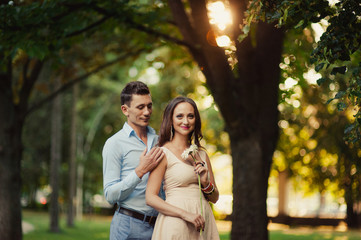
(30, 80)
(160, 34)
(88, 27)
(182, 21)
(79, 79)
(143, 28)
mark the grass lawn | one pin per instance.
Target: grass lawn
(94, 227)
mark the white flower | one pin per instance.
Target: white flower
(193, 149)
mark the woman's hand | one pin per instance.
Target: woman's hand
(200, 169)
(196, 219)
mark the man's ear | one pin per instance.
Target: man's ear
(124, 108)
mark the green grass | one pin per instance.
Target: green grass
(94, 227)
(90, 228)
(315, 235)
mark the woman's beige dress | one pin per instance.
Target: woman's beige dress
(181, 189)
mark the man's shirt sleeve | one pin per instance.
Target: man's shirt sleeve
(115, 189)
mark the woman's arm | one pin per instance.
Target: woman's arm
(152, 198)
(205, 180)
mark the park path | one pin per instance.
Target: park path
(27, 227)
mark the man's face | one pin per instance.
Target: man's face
(139, 111)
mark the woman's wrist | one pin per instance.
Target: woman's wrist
(209, 189)
(206, 184)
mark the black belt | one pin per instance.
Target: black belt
(137, 215)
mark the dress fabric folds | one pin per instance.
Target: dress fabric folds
(181, 189)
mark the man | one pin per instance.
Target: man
(128, 157)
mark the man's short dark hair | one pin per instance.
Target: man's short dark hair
(137, 88)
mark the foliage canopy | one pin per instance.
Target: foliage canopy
(337, 50)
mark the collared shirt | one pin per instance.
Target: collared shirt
(121, 155)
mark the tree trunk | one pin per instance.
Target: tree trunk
(72, 160)
(247, 97)
(10, 156)
(56, 135)
(79, 190)
(84, 151)
(351, 213)
(13, 108)
(282, 193)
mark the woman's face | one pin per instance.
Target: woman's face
(183, 118)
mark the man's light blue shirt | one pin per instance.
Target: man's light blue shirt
(121, 155)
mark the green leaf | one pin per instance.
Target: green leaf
(319, 67)
(341, 106)
(320, 81)
(246, 29)
(349, 128)
(37, 51)
(329, 100)
(300, 23)
(340, 94)
(340, 70)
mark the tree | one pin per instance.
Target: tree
(72, 159)
(32, 33)
(55, 158)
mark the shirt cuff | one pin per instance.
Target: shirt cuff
(134, 177)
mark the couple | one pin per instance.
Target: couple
(138, 168)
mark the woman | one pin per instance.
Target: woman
(180, 214)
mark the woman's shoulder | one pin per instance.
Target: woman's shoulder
(165, 146)
(203, 154)
(202, 151)
(166, 151)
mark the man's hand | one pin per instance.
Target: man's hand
(148, 161)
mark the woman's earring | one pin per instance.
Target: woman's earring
(171, 132)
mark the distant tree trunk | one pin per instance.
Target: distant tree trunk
(282, 193)
(322, 204)
(79, 184)
(56, 138)
(247, 97)
(84, 151)
(351, 213)
(352, 216)
(72, 159)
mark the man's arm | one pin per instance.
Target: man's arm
(115, 189)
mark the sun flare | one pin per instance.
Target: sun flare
(221, 17)
(223, 41)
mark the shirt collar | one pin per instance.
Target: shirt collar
(130, 131)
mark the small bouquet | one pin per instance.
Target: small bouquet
(192, 150)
